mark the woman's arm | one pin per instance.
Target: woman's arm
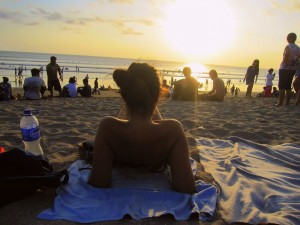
(102, 159)
(286, 55)
(247, 73)
(179, 161)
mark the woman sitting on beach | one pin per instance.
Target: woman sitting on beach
(140, 140)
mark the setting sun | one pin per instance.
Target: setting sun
(199, 28)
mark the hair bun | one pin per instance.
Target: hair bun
(120, 76)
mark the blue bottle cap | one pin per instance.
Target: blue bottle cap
(27, 112)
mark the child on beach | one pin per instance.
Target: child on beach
(139, 140)
(269, 82)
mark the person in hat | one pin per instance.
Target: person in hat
(34, 86)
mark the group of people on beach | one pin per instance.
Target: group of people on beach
(156, 142)
(34, 87)
(187, 89)
(289, 68)
(69, 90)
(139, 136)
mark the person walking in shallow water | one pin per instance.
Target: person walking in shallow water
(96, 87)
(252, 73)
(288, 69)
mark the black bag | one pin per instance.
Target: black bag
(22, 173)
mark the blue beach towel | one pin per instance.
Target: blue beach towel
(140, 195)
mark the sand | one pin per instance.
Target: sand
(66, 122)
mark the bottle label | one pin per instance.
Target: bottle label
(31, 134)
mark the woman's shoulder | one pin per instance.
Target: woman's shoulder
(109, 121)
(170, 123)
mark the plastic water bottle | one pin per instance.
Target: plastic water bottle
(30, 130)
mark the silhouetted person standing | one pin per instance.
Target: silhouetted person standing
(288, 69)
(52, 70)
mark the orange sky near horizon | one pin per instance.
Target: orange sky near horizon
(231, 32)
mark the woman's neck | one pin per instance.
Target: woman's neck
(137, 118)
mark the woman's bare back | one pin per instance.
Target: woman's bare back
(142, 143)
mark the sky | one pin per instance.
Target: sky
(218, 32)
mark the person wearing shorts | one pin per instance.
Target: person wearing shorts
(288, 69)
(53, 81)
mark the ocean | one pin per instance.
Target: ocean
(103, 67)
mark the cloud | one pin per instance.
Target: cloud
(124, 29)
(140, 21)
(123, 25)
(122, 1)
(291, 5)
(47, 15)
(130, 31)
(11, 15)
(32, 23)
(72, 29)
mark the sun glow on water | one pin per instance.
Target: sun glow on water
(196, 67)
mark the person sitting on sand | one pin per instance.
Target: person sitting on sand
(139, 140)
(70, 89)
(186, 89)
(5, 90)
(165, 89)
(263, 93)
(218, 90)
(34, 86)
(86, 90)
(275, 92)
